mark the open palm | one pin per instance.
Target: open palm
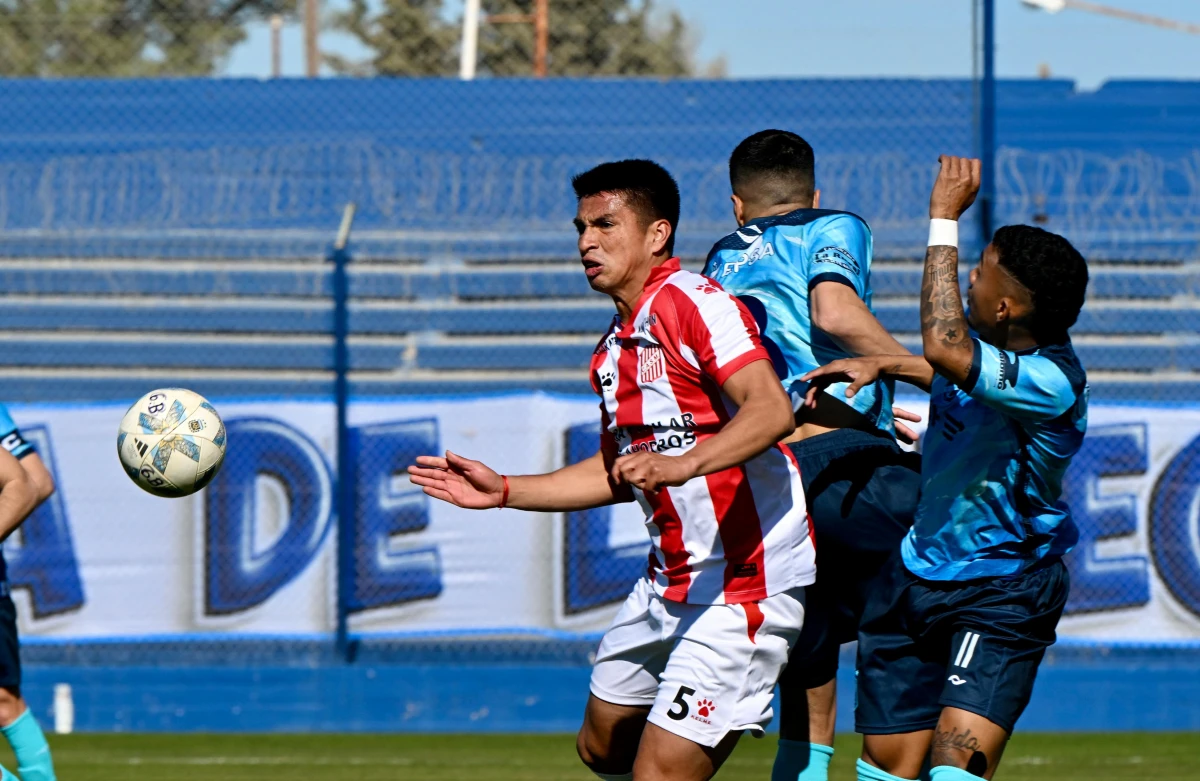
(457, 480)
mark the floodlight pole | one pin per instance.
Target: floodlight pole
(1054, 6)
(987, 125)
(469, 54)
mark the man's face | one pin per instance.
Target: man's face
(614, 245)
(993, 296)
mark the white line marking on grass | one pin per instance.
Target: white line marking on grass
(251, 761)
(1031, 761)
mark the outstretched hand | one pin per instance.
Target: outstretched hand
(957, 185)
(459, 481)
(856, 371)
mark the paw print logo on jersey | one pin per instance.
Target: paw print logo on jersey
(709, 287)
(705, 707)
(606, 379)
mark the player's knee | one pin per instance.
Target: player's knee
(11, 705)
(598, 755)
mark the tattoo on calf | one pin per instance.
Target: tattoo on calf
(952, 741)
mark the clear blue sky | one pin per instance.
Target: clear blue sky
(797, 38)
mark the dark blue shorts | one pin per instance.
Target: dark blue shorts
(861, 491)
(975, 645)
(10, 654)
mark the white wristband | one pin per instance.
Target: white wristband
(943, 233)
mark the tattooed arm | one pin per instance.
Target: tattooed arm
(947, 342)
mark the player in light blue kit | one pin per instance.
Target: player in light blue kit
(25, 482)
(805, 275)
(951, 641)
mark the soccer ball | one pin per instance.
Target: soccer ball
(171, 442)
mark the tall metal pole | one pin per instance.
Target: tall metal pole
(276, 46)
(344, 484)
(469, 54)
(987, 125)
(541, 28)
(312, 56)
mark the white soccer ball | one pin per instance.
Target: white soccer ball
(171, 442)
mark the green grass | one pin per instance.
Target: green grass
(1159, 757)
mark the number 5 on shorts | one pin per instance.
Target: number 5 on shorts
(679, 715)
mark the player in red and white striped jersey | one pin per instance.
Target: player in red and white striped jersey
(692, 412)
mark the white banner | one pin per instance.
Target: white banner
(257, 552)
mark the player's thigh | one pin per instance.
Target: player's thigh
(625, 681)
(900, 669)
(861, 490)
(1001, 631)
(721, 675)
(968, 741)
(665, 756)
(608, 740)
(11, 704)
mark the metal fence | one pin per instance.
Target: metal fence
(178, 232)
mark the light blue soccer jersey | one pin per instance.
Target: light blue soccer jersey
(993, 462)
(771, 264)
(10, 436)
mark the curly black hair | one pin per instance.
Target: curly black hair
(1053, 271)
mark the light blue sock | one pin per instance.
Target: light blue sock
(870, 773)
(796, 761)
(947, 773)
(31, 748)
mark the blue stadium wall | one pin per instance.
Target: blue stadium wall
(232, 169)
(239, 167)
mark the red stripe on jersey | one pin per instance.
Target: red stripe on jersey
(629, 395)
(670, 530)
(741, 535)
(754, 619)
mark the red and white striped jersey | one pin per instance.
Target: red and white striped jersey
(734, 536)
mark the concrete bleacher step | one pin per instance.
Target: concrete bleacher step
(448, 354)
(408, 281)
(122, 386)
(315, 316)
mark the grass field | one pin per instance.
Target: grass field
(1091, 757)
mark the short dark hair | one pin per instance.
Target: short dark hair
(644, 184)
(773, 167)
(1054, 273)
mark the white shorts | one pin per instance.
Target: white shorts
(705, 670)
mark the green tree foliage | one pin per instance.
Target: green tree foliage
(407, 38)
(587, 38)
(124, 37)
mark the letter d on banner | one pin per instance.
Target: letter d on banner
(240, 571)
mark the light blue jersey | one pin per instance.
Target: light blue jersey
(993, 462)
(771, 264)
(10, 436)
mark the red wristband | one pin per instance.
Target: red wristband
(504, 496)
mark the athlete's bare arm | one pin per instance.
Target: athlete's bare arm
(839, 312)
(39, 475)
(859, 372)
(18, 497)
(471, 484)
(764, 417)
(944, 330)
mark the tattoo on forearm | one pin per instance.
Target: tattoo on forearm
(949, 742)
(942, 313)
